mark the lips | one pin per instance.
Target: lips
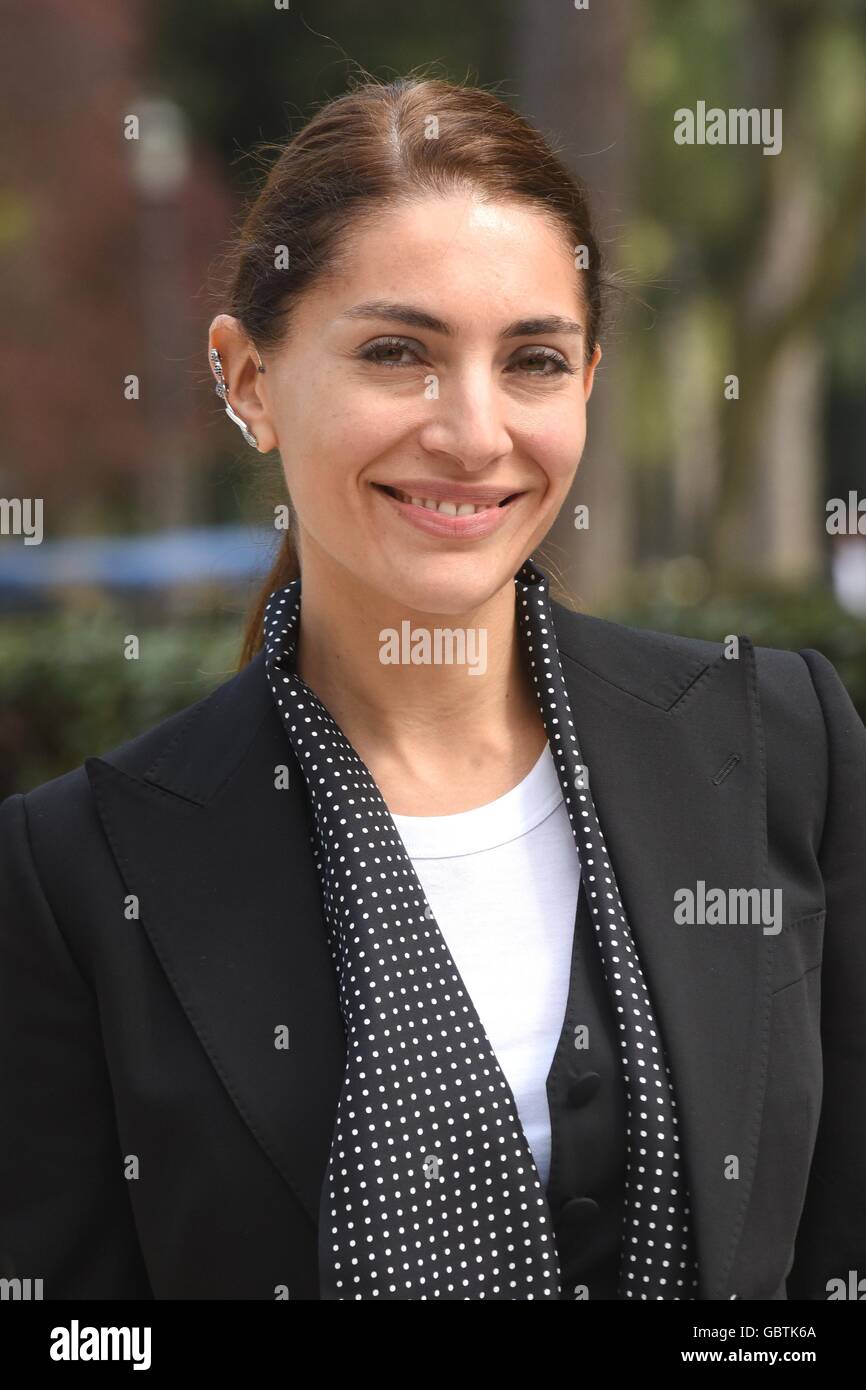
(469, 514)
(456, 500)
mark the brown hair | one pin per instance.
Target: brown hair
(361, 152)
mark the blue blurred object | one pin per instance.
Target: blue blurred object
(149, 563)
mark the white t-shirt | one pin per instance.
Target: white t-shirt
(502, 880)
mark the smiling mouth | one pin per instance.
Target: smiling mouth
(448, 508)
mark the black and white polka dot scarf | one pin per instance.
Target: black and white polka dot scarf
(431, 1190)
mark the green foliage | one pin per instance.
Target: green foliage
(246, 71)
(67, 692)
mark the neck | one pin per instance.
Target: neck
(417, 722)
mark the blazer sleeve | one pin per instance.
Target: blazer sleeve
(831, 1239)
(65, 1210)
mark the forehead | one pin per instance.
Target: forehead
(460, 257)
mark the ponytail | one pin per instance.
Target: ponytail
(284, 569)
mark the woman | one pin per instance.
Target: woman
(460, 945)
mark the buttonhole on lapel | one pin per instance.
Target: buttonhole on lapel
(726, 768)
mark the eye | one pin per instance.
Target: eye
(387, 351)
(552, 362)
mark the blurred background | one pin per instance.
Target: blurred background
(729, 412)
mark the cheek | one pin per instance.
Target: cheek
(341, 444)
(557, 449)
(318, 442)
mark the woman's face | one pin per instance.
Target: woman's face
(419, 369)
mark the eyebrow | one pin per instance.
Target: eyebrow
(419, 318)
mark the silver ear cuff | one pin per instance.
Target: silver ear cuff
(222, 391)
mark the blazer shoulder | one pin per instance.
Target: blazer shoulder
(142, 755)
(134, 755)
(660, 667)
(654, 667)
(54, 834)
(791, 701)
(59, 814)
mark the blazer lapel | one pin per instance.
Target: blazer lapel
(673, 743)
(220, 861)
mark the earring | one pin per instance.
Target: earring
(222, 391)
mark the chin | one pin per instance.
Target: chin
(447, 584)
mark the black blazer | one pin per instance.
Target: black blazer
(157, 1144)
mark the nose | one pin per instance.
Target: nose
(467, 422)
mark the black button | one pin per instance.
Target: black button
(580, 1239)
(584, 1088)
(577, 1216)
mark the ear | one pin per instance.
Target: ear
(589, 372)
(246, 390)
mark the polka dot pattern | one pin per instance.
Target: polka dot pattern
(431, 1190)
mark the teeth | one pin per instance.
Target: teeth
(447, 508)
